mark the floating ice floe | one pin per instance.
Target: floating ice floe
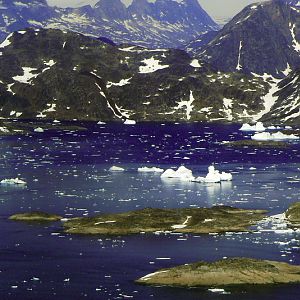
(181, 173)
(13, 181)
(101, 123)
(130, 122)
(150, 170)
(214, 176)
(39, 129)
(116, 169)
(267, 136)
(259, 126)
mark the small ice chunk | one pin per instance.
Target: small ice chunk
(130, 122)
(101, 123)
(39, 129)
(116, 169)
(150, 170)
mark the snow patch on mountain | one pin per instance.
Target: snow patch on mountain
(151, 65)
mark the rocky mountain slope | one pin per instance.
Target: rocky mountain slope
(263, 38)
(64, 75)
(287, 105)
(163, 24)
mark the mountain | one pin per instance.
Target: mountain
(53, 74)
(263, 38)
(163, 24)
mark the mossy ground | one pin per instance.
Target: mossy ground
(35, 216)
(257, 144)
(198, 220)
(293, 214)
(227, 272)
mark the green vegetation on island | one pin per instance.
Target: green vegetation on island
(257, 144)
(36, 216)
(217, 219)
(293, 214)
(227, 272)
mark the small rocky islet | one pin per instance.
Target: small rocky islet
(293, 215)
(258, 144)
(35, 216)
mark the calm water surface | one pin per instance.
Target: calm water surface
(67, 173)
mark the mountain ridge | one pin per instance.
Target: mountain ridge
(262, 38)
(163, 24)
(54, 74)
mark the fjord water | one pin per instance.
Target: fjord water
(67, 173)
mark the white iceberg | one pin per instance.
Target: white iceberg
(150, 170)
(277, 136)
(274, 127)
(116, 169)
(259, 126)
(182, 173)
(214, 176)
(101, 123)
(13, 181)
(226, 176)
(39, 129)
(129, 122)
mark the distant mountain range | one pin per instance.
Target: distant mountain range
(51, 74)
(163, 24)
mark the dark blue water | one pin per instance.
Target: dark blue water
(67, 173)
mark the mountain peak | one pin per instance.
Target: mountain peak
(111, 9)
(262, 38)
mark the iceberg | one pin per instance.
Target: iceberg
(13, 181)
(129, 122)
(266, 136)
(116, 169)
(39, 129)
(259, 126)
(101, 123)
(274, 128)
(150, 170)
(214, 176)
(181, 173)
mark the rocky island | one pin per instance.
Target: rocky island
(257, 144)
(227, 272)
(35, 216)
(293, 214)
(217, 219)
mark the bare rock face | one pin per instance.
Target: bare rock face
(228, 272)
